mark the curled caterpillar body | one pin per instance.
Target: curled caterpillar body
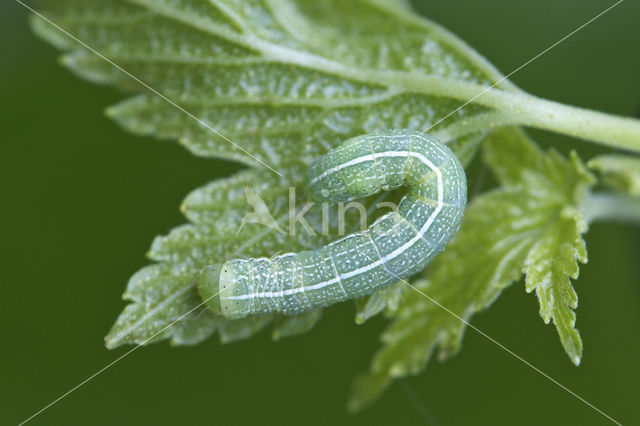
(396, 246)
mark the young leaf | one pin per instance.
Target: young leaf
(549, 265)
(529, 225)
(621, 172)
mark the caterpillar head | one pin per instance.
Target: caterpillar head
(219, 287)
(209, 289)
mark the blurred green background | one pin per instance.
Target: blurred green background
(81, 201)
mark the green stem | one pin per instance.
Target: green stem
(606, 129)
(611, 206)
(525, 109)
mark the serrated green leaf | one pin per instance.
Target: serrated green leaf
(550, 264)
(619, 171)
(530, 224)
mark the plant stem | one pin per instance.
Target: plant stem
(606, 129)
(611, 206)
(529, 110)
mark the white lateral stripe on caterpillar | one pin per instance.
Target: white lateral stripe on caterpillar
(380, 261)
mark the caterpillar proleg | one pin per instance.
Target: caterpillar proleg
(396, 246)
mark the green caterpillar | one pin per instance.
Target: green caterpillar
(396, 246)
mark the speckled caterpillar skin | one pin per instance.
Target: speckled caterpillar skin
(398, 245)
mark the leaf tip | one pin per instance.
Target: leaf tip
(109, 342)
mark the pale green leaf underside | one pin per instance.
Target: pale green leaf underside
(287, 80)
